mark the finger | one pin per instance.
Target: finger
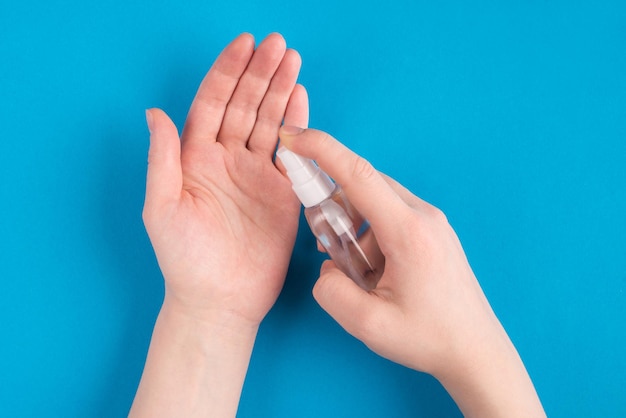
(344, 300)
(241, 112)
(414, 201)
(406, 195)
(296, 114)
(208, 107)
(280, 166)
(327, 265)
(272, 110)
(366, 189)
(164, 180)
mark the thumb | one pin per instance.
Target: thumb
(352, 307)
(164, 181)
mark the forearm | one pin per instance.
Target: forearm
(491, 381)
(195, 366)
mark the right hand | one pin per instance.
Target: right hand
(428, 311)
(428, 302)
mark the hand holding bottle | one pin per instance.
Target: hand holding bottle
(428, 311)
(337, 225)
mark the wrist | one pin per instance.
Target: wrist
(210, 323)
(234, 298)
(196, 363)
(488, 379)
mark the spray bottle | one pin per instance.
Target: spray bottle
(336, 224)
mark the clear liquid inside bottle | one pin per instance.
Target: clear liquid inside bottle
(347, 239)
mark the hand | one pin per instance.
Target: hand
(222, 220)
(428, 311)
(220, 216)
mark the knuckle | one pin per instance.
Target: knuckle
(421, 233)
(325, 140)
(315, 144)
(424, 231)
(420, 218)
(437, 215)
(362, 169)
(411, 220)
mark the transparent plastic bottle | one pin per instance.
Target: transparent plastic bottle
(336, 224)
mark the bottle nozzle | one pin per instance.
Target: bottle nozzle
(308, 181)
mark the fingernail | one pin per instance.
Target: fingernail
(149, 119)
(291, 130)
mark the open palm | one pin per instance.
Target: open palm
(221, 217)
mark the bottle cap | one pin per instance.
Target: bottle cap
(311, 184)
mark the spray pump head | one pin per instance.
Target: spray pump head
(309, 182)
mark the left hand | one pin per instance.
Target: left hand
(221, 217)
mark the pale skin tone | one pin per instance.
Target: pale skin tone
(428, 311)
(222, 219)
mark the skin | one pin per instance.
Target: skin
(428, 311)
(222, 219)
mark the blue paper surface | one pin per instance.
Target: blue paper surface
(509, 117)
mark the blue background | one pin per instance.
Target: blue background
(511, 118)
